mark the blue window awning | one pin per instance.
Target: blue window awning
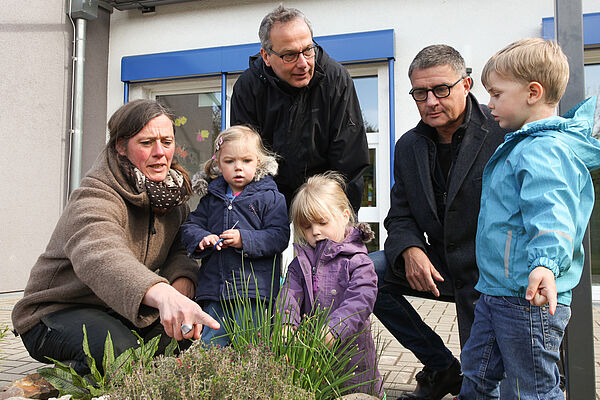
(345, 48)
(591, 28)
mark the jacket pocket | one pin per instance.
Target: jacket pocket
(511, 247)
(343, 277)
(507, 253)
(513, 258)
(554, 326)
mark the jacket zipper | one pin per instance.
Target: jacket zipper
(228, 219)
(314, 269)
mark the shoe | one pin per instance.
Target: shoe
(434, 385)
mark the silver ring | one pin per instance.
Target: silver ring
(186, 328)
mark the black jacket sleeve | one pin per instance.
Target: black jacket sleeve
(243, 103)
(402, 229)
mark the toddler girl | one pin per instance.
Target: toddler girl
(332, 270)
(240, 226)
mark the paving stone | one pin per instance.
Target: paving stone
(401, 365)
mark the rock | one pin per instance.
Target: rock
(33, 386)
(358, 396)
(12, 392)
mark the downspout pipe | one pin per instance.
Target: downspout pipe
(77, 129)
(80, 11)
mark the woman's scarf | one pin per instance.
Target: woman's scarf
(163, 195)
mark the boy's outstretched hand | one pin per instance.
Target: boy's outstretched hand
(542, 288)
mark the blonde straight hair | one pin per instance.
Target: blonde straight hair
(532, 60)
(320, 198)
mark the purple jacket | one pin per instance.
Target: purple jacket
(342, 276)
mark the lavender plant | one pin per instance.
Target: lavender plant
(214, 373)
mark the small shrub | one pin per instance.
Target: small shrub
(213, 373)
(69, 382)
(265, 361)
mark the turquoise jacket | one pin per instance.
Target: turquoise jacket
(536, 201)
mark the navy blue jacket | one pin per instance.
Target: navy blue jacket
(264, 228)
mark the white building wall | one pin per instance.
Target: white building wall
(34, 42)
(476, 28)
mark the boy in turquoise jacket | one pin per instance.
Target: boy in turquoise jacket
(536, 201)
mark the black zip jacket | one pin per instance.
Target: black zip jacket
(313, 129)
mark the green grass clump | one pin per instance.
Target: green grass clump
(320, 368)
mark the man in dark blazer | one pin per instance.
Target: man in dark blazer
(432, 221)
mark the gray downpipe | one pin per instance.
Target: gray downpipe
(77, 132)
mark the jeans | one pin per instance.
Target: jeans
(215, 310)
(403, 321)
(59, 335)
(512, 338)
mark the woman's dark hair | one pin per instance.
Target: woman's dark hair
(132, 117)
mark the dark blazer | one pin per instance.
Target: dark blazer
(413, 218)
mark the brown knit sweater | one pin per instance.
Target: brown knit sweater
(104, 252)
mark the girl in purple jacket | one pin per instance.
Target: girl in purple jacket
(332, 270)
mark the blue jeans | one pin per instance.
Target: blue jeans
(513, 338)
(403, 321)
(215, 310)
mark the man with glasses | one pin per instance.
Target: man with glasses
(432, 221)
(304, 105)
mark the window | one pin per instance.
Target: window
(371, 83)
(196, 104)
(592, 88)
(197, 124)
(164, 76)
(592, 80)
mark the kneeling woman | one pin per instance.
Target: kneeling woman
(115, 261)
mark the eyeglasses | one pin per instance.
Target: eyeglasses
(288, 58)
(439, 91)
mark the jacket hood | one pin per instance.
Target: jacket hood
(267, 75)
(201, 180)
(579, 129)
(353, 243)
